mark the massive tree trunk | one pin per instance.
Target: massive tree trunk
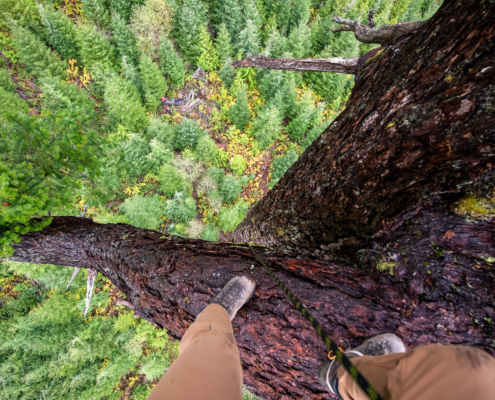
(424, 295)
(420, 120)
(419, 125)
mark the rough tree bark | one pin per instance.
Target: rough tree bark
(432, 296)
(420, 120)
(335, 64)
(419, 125)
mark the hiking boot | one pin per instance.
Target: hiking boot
(236, 293)
(378, 345)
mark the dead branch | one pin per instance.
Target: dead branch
(335, 64)
(368, 34)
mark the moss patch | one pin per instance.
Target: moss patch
(386, 267)
(475, 206)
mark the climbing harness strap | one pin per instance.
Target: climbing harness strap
(338, 354)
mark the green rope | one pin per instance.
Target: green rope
(341, 357)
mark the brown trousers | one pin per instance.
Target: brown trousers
(209, 368)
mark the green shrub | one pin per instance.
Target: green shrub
(280, 166)
(160, 154)
(194, 229)
(5, 81)
(149, 23)
(11, 103)
(124, 104)
(172, 181)
(111, 218)
(267, 126)
(231, 187)
(239, 112)
(217, 174)
(187, 134)
(39, 59)
(229, 218)
(133, 157)
(161, 131)
(208, 60)
(182, 208)
(61, 33)
(238, 165)
(206, 150)
(152, 81)
(144, 212)
(171, 64)
(210, 233)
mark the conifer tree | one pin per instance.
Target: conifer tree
(223, 44)
(299, 43)
(331, 86)
(95, 49)
(267, 126)
(152, 81)
(60, 32)
(251, 12)
(124, 8)
(39, 59)
(96, 12)
(229, 12)
(299, 14)
(188, 22)
(239, 112)
(283, 14)
(249, 42)
(130, 71)
(124, 104)
(124, 38)
(208, 60)
(227, 73)
(171, 64)
(398, 11)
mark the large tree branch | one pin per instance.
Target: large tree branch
(167, 280)
(383, 35)
(335, 64)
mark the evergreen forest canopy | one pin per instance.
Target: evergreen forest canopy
(84, 130)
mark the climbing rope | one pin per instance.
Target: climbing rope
(338, 354)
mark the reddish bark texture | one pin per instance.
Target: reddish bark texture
(168, 280)
(420, 120)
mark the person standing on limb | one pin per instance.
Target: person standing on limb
(209, 366)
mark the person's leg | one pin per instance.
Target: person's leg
(428, 373)
(208, 366)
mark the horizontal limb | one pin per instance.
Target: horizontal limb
(335, 64)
